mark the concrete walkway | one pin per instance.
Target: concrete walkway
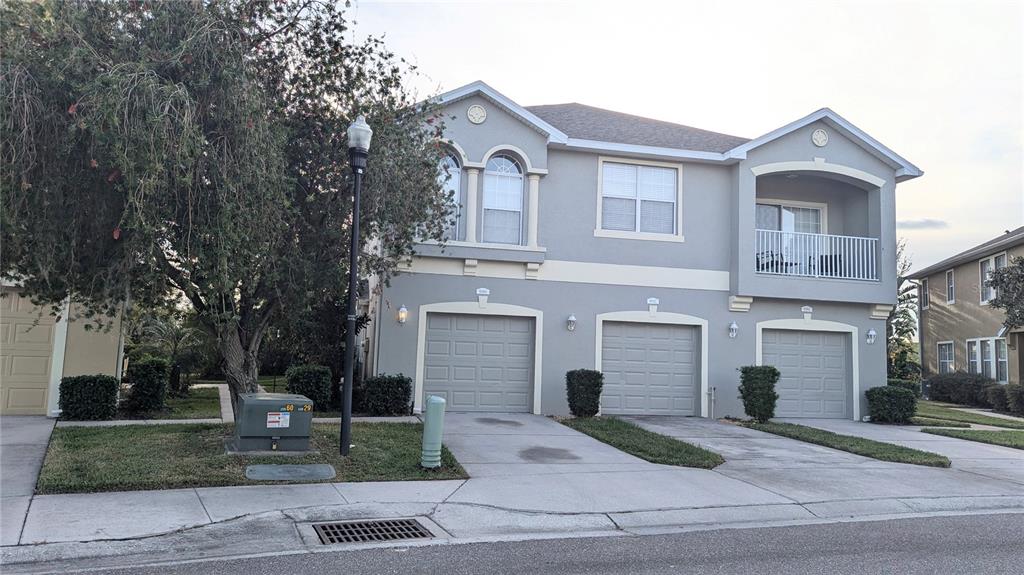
(990, 413)
(23, 441)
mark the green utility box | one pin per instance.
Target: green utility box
(273, 422)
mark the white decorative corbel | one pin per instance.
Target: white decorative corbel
(531, 270)
(469, 267)
(740, 303)
(880, 311)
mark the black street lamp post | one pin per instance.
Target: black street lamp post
(359, 135)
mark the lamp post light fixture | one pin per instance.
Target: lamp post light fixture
(359, 135)
(403, 314)
(872, 334)
(733, 330)
(570, 323)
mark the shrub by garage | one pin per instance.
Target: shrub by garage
(583, 390)
(757, 390)
(385, 395)
(312, 381)
(913, 386)
(148, 377)
(891, 404)
(88, 397)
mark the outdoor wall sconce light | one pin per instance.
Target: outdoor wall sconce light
(871, 336)
(733, 330)
(403, 314)
(570, 324)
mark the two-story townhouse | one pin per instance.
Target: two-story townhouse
(662, 255)
(959, 330)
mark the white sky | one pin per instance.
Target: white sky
(941, 83)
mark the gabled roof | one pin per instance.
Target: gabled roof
(1011, 238)
(499, 99)
(590, 123)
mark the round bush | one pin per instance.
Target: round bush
(583, 390)
(88, 397)
(312, 381)
(890, 404)
(997, 397)
(913, 386)
(1015, 398)
(148, 378)
(387, 395)
(757, 390)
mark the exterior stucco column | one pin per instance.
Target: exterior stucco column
(472, 191)
(533, 211)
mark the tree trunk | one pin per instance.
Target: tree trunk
(241, 364)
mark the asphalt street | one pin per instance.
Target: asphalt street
(977, 544)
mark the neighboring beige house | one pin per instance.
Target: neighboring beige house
(960, 331)
(37, 350)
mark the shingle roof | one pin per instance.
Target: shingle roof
(590, 123)
(997, 244)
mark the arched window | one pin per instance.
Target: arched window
(503, 201)
(451, 179)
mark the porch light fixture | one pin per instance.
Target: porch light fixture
(871, 336)
(403, 314)
(570, 324)
(733, 330)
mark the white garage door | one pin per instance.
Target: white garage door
(815, 377)
(479, 362)
(650, 369)
(24, 356)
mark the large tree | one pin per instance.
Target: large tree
(201, 145)
(1009, 285)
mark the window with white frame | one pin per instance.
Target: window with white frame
(985, 269)
(950, 287)
(451, 180)
(988, 357)
(639, 198)
(503, 201)
(923, 295)
(784, 217)
(945, 357)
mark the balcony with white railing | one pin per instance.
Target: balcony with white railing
(785, 253)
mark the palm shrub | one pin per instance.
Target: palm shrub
(312, 381)
(148, 378)
(88, 397)
(891, 404)
(583, 390)
(757, 390)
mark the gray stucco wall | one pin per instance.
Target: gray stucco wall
(499, 128)
(846, 205)
(564, 350)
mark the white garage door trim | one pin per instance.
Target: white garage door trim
(476, 308)
(817, 325)
(665, 318)
(60, 344)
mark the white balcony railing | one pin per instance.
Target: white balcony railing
(815, 255)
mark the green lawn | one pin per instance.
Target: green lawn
(936, 410)
(128, 458)
(858, 445)
(644, 444)
(201, 403)
(937, 422)
(1009, 438)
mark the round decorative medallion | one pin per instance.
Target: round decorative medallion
(819, 137)
(476, 114)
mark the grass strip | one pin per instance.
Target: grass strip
(858, 445)
(937, 422)
(1010, 438)
(935, 410)
(647, 445)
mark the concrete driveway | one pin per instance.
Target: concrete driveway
(23, 441)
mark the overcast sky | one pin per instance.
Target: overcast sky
(941, 83)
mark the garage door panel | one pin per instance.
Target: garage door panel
(813, 369)
(26, 343)
(649, 368)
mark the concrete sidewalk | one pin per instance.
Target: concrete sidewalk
(23, 441)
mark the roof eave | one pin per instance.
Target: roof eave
(975, 253)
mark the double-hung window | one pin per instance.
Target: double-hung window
(988, 357)
(985, 269)
(451, 182)
(950, 287)
(503, 201)
(923, 296)
(945, 357)
(639, 198)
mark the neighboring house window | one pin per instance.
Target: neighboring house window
(946, 357)
(985, 269)
(789, 218)
(924, 294)
(451, 178)
(988, 356)
(503, 201)
(639, 198)
(950, 287)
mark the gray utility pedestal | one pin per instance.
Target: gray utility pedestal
(273, 422)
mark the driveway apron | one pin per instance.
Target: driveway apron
(23, 441)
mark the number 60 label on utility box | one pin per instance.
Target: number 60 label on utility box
(277, 419)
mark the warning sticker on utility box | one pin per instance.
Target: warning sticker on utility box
(277, 419)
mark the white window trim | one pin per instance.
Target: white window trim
(924, 296)
(967, 354)
(522, 197)
(822, 207)
(981, 280)
(938, 356)
(950, 276)
(600, 232)
(994, 363)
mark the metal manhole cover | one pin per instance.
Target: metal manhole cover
(370, 531)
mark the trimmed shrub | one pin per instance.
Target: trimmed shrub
(148, 379)
(1015, 398)
(387, 395)
(757, 390)
(583, 390)
(88, 397)
(997, 397)
(960, 387)
(891, 404)
(913, 386)
(312, 381)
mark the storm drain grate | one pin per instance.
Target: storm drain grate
(370, 531)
